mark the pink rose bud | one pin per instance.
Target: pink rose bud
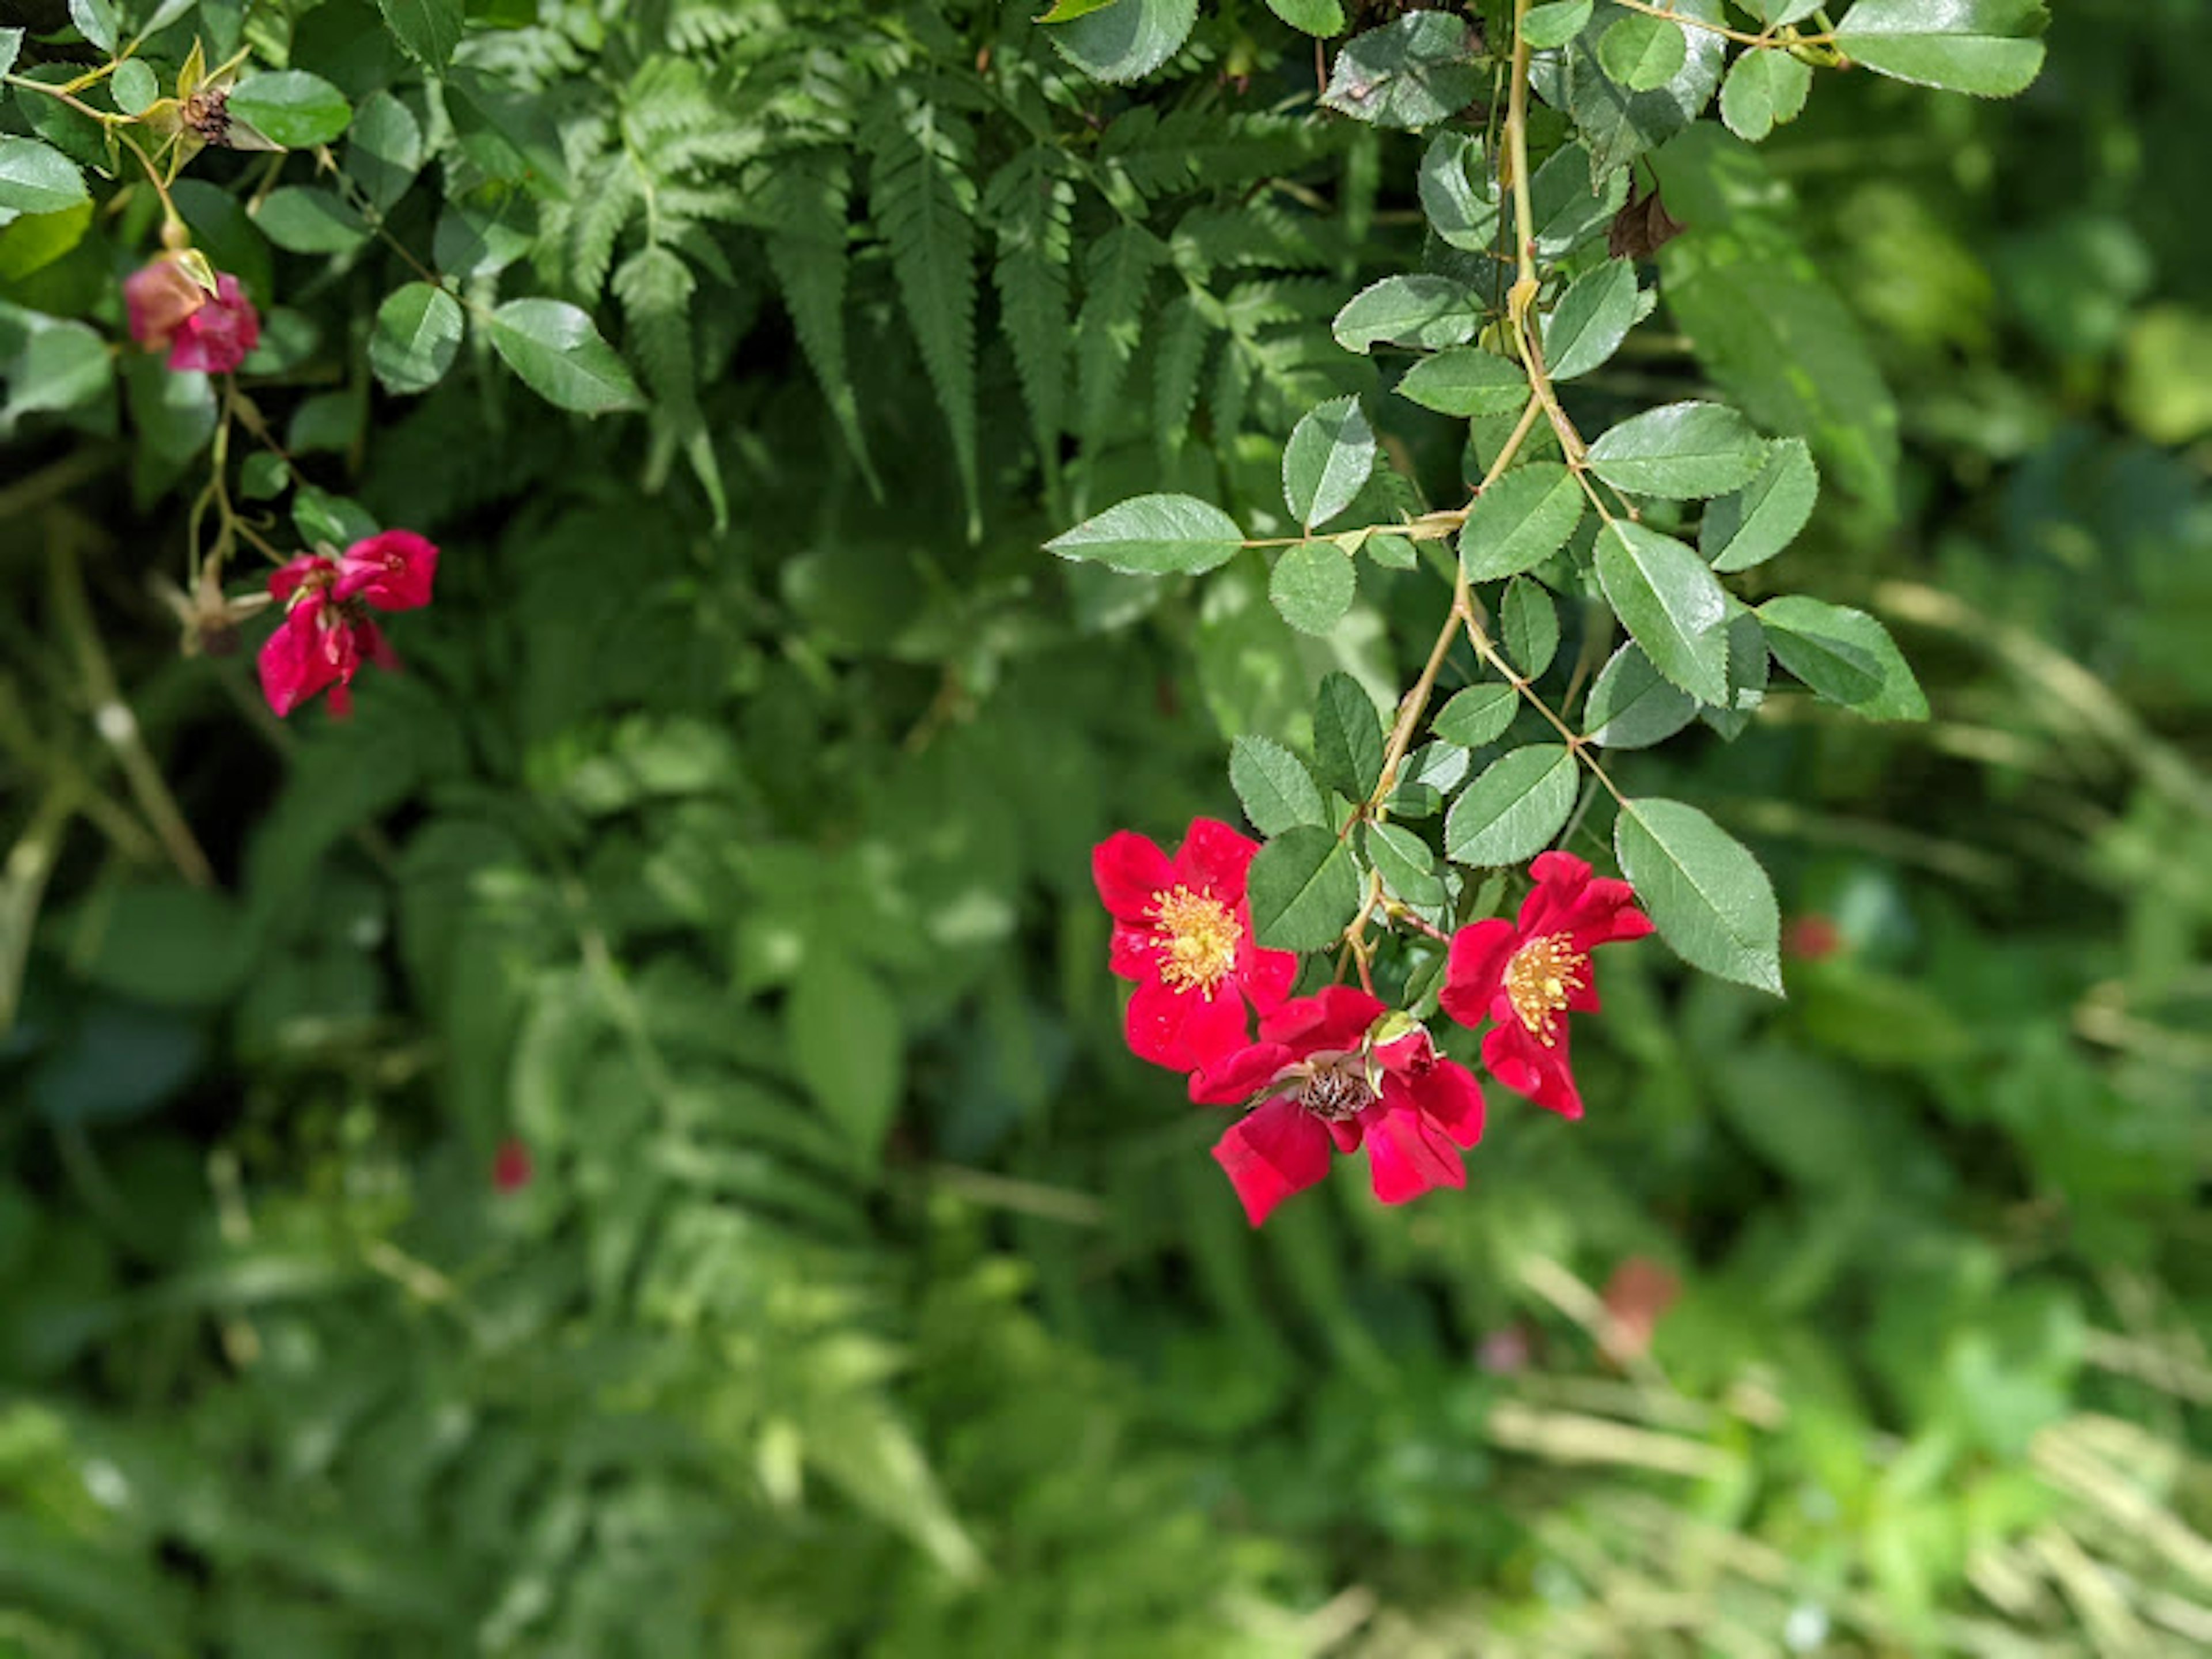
(200, 317)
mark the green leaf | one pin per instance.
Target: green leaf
(36, 177)
(134, 85)
(1066, 11)
(418, 333)
(166, 944)
(1406, 866)
(319, 516)
(808, 203)
(1330, 455)
(1986, 47)
(1520, 521)
(1414, 72)
(1777, 14)
(1422, 311)
(292, 108)
(1678, 450)
(1555, 23)
(1127, 40)
(1642, 52)
(846, 1045)
(1278, 792)
(507, 132)
(1746, 674)
(1427, 774)
(426, 30)
(1118, 271)
(1154, 536)
(1572, 205)
(11, 43)
(1313, 584)
(384, 150)
(558, 353)
(1764, 88)
(1671, 604)
(1466, 380)
(1704, 891)
(95, 21)
(1512, 812)
(1321, 18)
(61, 365)
(1462, 207)
(1033, 205)
(1619, 123)
(1304, 889)
(1844, 655)
(1592, 319)
(302, 219)
(1348, 737)
(1477, 715)
(1763, 517)
(1630, 704)
(261, 477)
(1530, 624)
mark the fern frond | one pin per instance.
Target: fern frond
(923, 203)
(1178, 359)
(806, 204)
(1118, 277)
(655, 287)
(1033, 206)
(1232, 383)
(1191, 150)
(1258, 233)
(606, 198)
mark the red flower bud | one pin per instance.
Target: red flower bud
(171, 310)
(512, 1166)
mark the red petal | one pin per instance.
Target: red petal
(1479, 955)
(1234, 1078)
(1406, 1157)
(1265, 976)
(1185, 1030)
(1130, 872)
(1135, 953)
(294, 663)
(1527, 1067)
(1213, 858)
(288, 577)
(1449, 1097)
(1269, 1153)
(393, 570)
(1337, 1016)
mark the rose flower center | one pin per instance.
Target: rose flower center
(1200, 935)
(1538, 979)
(1335, 1086)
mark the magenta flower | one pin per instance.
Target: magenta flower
(200, 328)
(327, 632)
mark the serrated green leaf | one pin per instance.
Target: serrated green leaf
(1570, 204)
(426, 30)
(1510, 812)
(1621, 123)
(291, 107)
(1844, 655)
(11, 44)
(262, 476)
(1277, 790)
(1033, 206)
(1985, 47)
(1154, 536)
(1679, 450)
(1329, 456)
(1642, 52)
(1109, 326)
(1304, 889)
(1066, 11)
(60, 366)
(1630, 704)
(1422, 311)
(1764, 88)
(1459, 193)
(1347, 737)
(1127, 40)
(1427, 774)
(1520, 520)
(1592, 319)
(1746, 674)
(1528, 623)
(1751, 526)
(1466, 380)
(416, 336)
(558, 353)
(846, 1044)
(384, 149)
(1555, 23)
(1413, 72)
(303, 219)
(95, 21)
(1777, 14)
(1671, 604)
(134, 86)
(1704, 891)
(1323, 19)
(36, 177)
(1312, 585)
(1406, 866)
(1477, 715)
(807, 204)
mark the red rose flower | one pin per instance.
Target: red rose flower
(200, 328)
(1325, 1079)
(1812, 937)
(512, 1166)
(1527, 975)
(1183, 932)
(327, 632)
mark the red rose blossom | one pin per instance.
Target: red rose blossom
(1327, 1080)
(327, 632)
(171, 311)
(1183, 932)
(1527, 975)
(512, 1166)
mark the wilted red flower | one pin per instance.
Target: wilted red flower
(1183, 932)
(327, 633)
(1526, 975)
(512, 1166)
(1327, 1077)
(172, 309)
(1812, 937)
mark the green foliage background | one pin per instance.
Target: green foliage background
(726, 840)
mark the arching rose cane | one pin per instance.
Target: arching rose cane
(327, 632)
(1182, 931)
(1529, 974)
(1332, 1072)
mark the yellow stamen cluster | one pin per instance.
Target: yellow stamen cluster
(1541, 976)
(1200, 935)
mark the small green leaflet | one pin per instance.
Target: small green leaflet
(61, 365)
(36, 177)
(1414, 72)
(1569, 205)
(95, 21)
(1777, 13)
(1630, 704)
(1530, 623)
(1477, 715)
(1763, 517)
(1520, 521)
(1986, 47)
(303, 219)
(134, 85)
(1704, 891)
(11, 43)
(1844, 655)
(1329, 456)
(1592, 319)
(1763, 89)
(426, 30)
(1466, 380)
(1642, 52)
(1428, 773)
(557, 351)
(1348, 737)
(1321, 18)
(1671, 604)
(1555, 23)
(1278, 792)
(1747, 673)
(1312, 585)
(417, 332)
(1619, 123)
(384, 150)
(291, 108)
(1406, 866)
(1679, 450)
(843, 1031)
(1066, 11)
(1512, 812)
(1126, 41)
(1303, 887)
(1422, 311)
(1154, 536)
(1459, 193)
